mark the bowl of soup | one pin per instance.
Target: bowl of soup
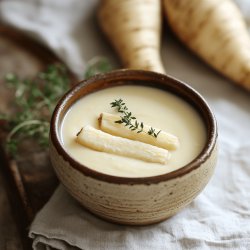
(133, 147)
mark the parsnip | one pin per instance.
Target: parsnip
(216, 31)
(164, 140)
(101, 141)
(134, 29)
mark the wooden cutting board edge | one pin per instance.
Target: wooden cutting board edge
(17, 195)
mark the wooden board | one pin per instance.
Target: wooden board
(29, 180)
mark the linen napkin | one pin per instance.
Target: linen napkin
(219, 218)
(67, 27)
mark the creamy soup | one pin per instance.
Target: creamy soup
(154, 107)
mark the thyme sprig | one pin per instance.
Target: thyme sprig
(35, 99)
(34, 102)
(131, 121)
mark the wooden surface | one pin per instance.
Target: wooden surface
(26, 183)
(10, 237)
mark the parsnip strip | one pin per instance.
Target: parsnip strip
(104, 142)
(164, 140)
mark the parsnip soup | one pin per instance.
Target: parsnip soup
(164, 114)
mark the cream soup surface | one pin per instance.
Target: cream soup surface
(152, 106)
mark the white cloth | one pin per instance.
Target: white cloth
(219, 218)
(67, 27)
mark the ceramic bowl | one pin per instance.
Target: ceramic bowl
(134, 201)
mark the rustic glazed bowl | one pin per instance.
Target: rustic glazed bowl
(134, 201)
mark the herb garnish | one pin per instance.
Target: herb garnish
(129, 120)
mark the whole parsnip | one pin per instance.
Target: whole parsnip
(214, 30)
(134, 29)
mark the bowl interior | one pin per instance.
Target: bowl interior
(134, 77)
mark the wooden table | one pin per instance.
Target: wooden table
(26, 183)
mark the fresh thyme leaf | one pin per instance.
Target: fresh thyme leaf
(129, 120)
(151, 131)
(158, 133)
(118, 121)
(141, 130)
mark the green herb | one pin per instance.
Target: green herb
(97, 65)
(129, 120)
(35, 100)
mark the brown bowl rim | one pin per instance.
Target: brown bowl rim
(130, 75)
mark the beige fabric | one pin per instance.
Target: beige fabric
(220, 216)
